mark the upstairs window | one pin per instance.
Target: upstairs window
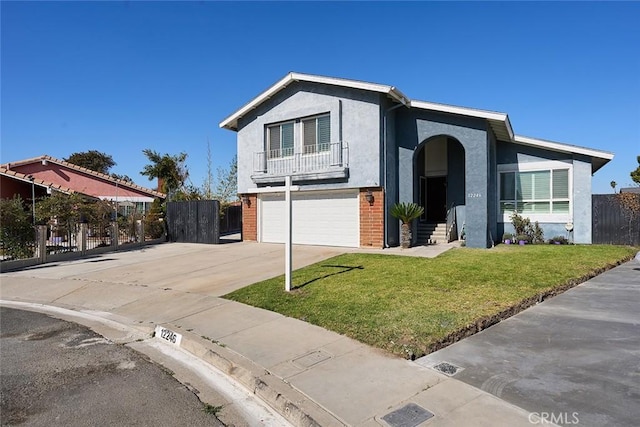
(280, 140)
(316, 134)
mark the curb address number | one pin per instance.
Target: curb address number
(168, 335)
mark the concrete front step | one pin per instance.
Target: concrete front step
(430, 232)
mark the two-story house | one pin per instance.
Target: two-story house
(354, 149)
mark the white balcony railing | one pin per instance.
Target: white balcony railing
(315, 158)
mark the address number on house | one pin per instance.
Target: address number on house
(474, 195)
(168, 335)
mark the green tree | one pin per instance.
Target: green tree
(635, 174)
(16, 232)
(406, 213)
(92, 159)
(170, 171)
(62, 212)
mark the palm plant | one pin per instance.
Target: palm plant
(406, 213)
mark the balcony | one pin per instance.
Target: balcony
(324, 161)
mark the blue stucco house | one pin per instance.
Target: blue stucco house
(356, 148)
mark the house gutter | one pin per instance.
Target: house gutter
(384, 166)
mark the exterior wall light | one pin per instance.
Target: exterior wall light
(246, 200)
(369, 197)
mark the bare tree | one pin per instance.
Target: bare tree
(227, 187)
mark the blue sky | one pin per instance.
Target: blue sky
(120, 77)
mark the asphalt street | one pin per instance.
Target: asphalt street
(56, 373)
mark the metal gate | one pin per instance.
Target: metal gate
(194, 221)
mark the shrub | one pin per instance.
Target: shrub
(520, 224)
(558, 239)
(524, 237)
(524, 227)
(537, 234)
(16, 232)
(507, 236)
(154, 225)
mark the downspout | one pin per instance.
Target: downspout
(384, 165)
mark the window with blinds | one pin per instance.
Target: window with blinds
(316, 134)
(535, 192)
(280, 140)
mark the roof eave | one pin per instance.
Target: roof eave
(566, 148)
(231, 122)
(136, 187)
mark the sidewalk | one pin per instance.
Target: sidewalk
(310, 375)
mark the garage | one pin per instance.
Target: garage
(329, 218)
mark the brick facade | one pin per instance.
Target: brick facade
(372, 219)
(250, 218)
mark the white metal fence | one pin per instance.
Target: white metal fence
(313, 158)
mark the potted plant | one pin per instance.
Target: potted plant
(522, 239)
(406, 213)
(507, 238)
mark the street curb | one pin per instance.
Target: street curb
(293, 405)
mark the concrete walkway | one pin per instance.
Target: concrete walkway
(310, 375)
(575, 356)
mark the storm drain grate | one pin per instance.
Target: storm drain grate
(409, 415)
(447, 368)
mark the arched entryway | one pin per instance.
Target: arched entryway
(439, 165)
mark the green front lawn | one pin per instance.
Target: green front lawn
(411, 306)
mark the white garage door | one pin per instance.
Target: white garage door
(319, 218)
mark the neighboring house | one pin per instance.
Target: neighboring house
(49, 174)
(14, 183)
(630, 190)
(356, 148)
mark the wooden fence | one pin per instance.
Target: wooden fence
(612, 223)
(201, 221)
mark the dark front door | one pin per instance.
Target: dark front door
(436, 209)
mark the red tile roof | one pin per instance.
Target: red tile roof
(119, 182)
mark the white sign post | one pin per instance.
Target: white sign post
(288, 255)
(288, 239)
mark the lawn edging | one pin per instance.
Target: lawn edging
(488, 321)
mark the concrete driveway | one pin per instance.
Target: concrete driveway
(574, 359)
(213, 270)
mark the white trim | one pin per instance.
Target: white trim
(549, 165)
(498, 121)
(333, 81)
(507, 123)
(231, 121)
(541, 218)
(121, 198)
(484, 114)
(556, 146)
(534, 166)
